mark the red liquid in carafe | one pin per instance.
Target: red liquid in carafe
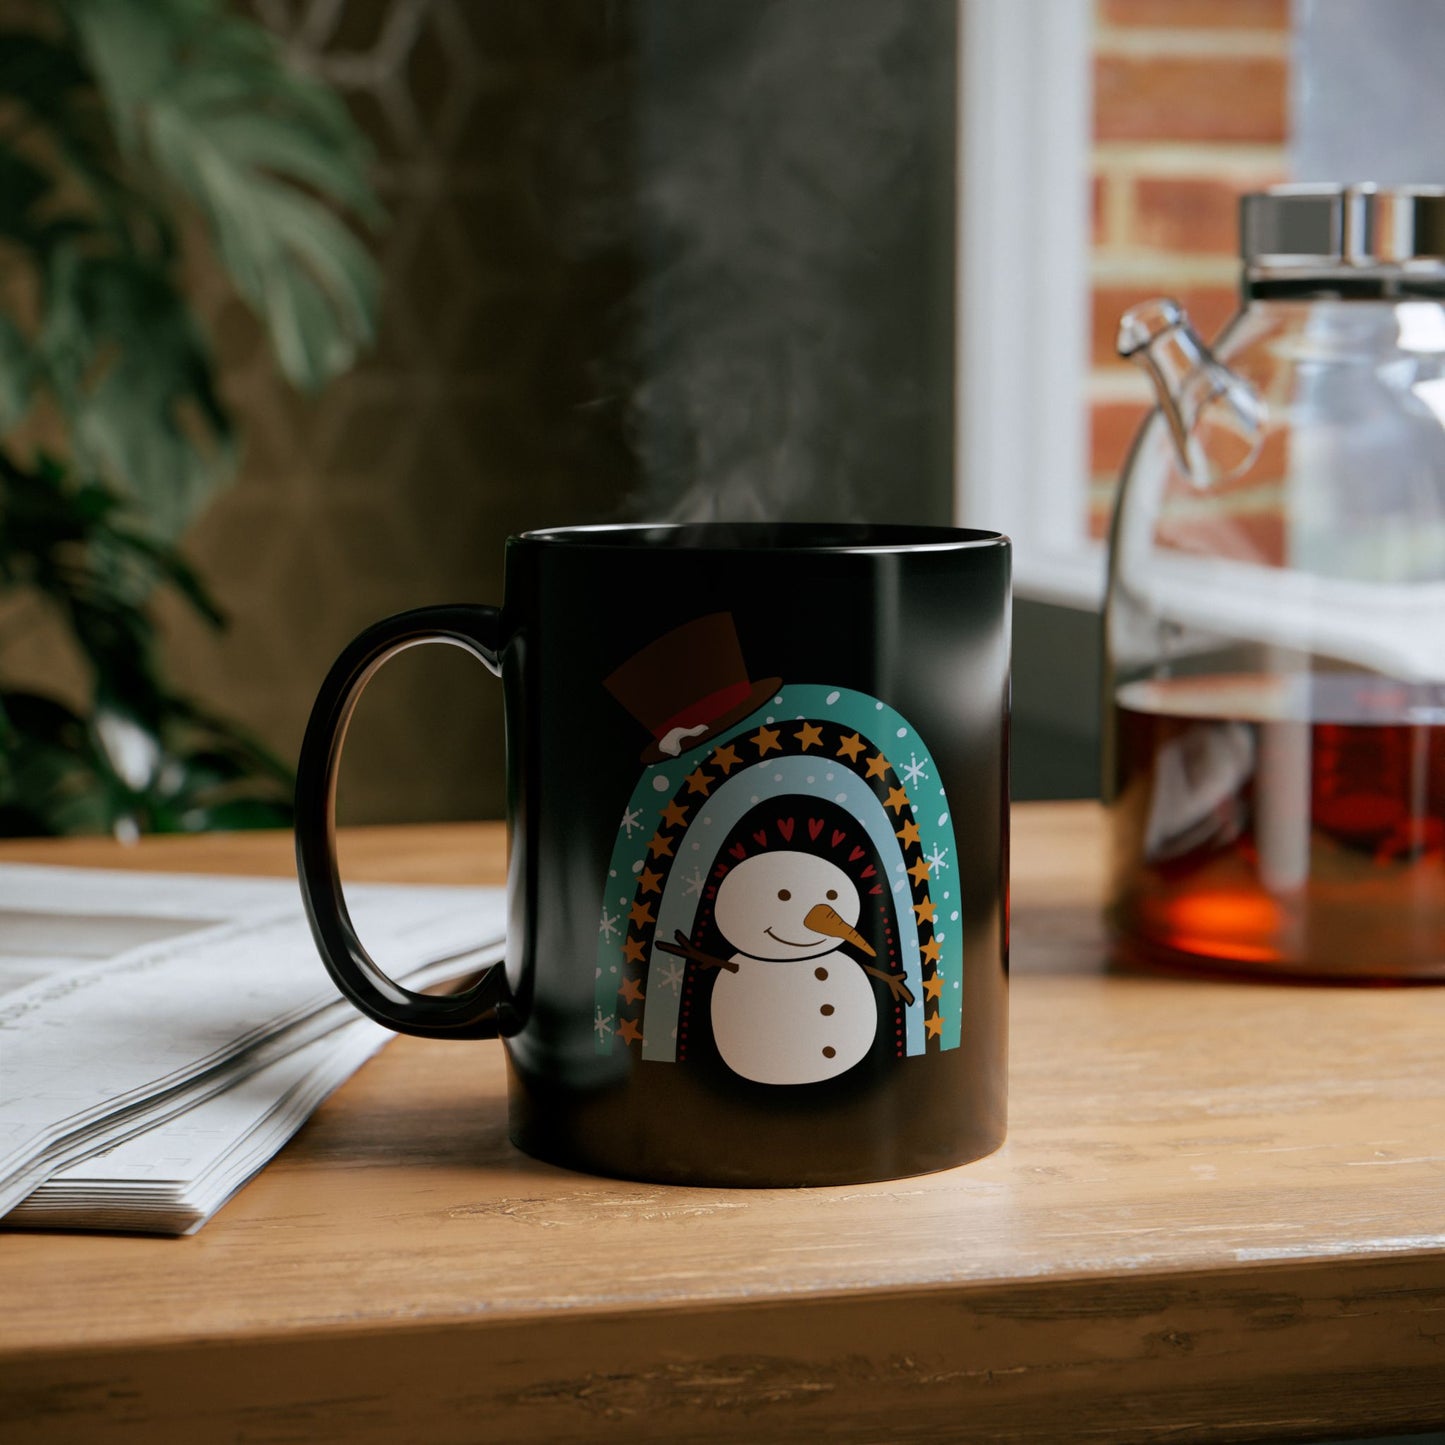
(1285, 825)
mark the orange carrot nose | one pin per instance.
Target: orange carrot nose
(823, 919)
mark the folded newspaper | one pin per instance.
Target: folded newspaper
(161, 1036)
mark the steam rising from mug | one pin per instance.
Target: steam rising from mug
(790, 333)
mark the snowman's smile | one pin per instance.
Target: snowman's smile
(811, 943)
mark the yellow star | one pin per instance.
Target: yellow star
(632, 950)
(674, 815)
(932, 987)
(766, 738)
(931, 951)
(631, 990)
(649, 882)
(641, 914)
(932, 1027)
(629, 1033)
(877, 766)
(851, 747)
(698, 782)
(810, 735)
(908, 833)
(725, 758)
(925, 910)
(897, 799)
(919, 871)
(660, 846)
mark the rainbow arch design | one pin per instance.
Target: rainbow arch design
(810, 740)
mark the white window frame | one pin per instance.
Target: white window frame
(1025, 121)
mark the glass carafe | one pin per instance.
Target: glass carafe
(1275, 624)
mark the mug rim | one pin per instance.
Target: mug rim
(877, 538)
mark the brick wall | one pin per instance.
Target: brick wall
(1190, 111)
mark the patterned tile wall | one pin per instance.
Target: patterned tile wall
(477, 416)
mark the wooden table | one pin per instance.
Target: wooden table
(1220, 1214)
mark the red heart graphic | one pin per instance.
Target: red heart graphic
(855, 855)
(869, 872)
(815, 826)
(785, 827)
(760, 838)
(876, 888)
(838, 837)
(720, 871)
(738, 851)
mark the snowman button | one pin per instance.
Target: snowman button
(820, 973)
(826, 1009)
(829, 1051)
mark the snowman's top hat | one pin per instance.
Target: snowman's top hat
(689, 685)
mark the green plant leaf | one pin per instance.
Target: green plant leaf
(134, 377)
(17, 371)
(263, 151)
(22, 186)
(112, 117)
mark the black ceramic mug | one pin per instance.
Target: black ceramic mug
(758, 878)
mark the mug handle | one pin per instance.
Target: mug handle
(472, 1014)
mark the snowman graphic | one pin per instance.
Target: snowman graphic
(792, 1000)
(780, 897)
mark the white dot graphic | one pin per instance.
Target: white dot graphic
(841, 798)
(753, 799)
(637, 867)
(696, 846)
(831, 698)
(879, 706)
(777, 777)
(770, 717)
(707, 823)
(903, 732)
(779, 698)
(811, 778)
(612, 873)
(827, 777)
(660, 784)
(942, 819)
(953, 917)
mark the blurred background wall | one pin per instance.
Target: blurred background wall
(645, 258)
(481, 412)
(675, 258)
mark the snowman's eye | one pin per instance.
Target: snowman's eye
(832, 894)
(784, 894)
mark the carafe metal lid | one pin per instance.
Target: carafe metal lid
(1329, 227)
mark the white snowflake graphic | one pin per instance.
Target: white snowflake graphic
(632, 819)
(913, 772)
(693, 884)
(669, 975)
(935, 859)
(603, 1024)
(608, 926)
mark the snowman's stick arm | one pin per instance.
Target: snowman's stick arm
(895, 982)
(683, 949)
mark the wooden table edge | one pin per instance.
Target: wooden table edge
(1023, 1354)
